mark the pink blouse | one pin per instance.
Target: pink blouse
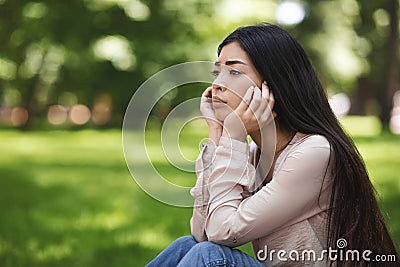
(288, 213)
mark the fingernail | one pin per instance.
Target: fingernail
(265, 82)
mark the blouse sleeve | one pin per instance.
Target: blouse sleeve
(291, 195)
(200, 192)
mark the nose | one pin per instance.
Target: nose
(218, 85)
(217, 89)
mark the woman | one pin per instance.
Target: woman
(315, 204)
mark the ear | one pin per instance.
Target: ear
(274, 114)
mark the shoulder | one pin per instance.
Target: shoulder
(311, 146)
(310, 140)
(306, 159)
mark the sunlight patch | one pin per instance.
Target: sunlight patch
(49, 252)
(109, 221)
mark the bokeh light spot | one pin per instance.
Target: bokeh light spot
(116, 49)
(102, 109)
(101, 113)
(8, 69)
(395, 115)
(79, 114)
(290, 13)
(340, 104)
(57, 114)
(19, 116)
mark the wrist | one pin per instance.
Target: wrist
(214, 135)
(234, 128)
(215, 127)
(237, 135)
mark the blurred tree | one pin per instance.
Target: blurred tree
(379, 25)
(354, 46)
(84, 50)
(393, 72)
(89, 47)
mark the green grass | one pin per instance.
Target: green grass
(362, 125)
(67, 198)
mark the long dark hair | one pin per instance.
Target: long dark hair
(302, 106)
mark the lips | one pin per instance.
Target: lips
(216, 99)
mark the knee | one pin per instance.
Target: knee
(208, 252)
(185, 241)
(207, 247)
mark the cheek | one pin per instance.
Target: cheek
(235, 97)
(238, 88)
(234, 102)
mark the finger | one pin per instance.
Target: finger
(265, 91)
(207, 92)
(269, 108)
(264, 99)
(256, 101)
(259, 112)
(246, 100)
(271, 102)
(266, 94)
(207, 95)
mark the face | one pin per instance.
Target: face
(234, 74)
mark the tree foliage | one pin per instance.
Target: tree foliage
(80, 51)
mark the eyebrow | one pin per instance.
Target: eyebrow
(230, 62)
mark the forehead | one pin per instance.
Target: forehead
(233, 51)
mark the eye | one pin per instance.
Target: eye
(215, 73)
(234, 72)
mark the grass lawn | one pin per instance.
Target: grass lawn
(67, 198)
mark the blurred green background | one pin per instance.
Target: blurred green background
(69, 68)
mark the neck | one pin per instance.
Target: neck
(283, 138)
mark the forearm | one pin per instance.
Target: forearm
(229, 178)
(214, 135)
(200, 191)
(234, 129)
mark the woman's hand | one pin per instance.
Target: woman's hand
(252, 114)
(207, 111)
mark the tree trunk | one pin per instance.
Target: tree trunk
(361, 95)
(392, 78)
(28, 101)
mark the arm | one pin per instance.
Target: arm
(203, 168)
(200, 192)
(290, 197)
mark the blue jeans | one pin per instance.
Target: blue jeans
(187, 252)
